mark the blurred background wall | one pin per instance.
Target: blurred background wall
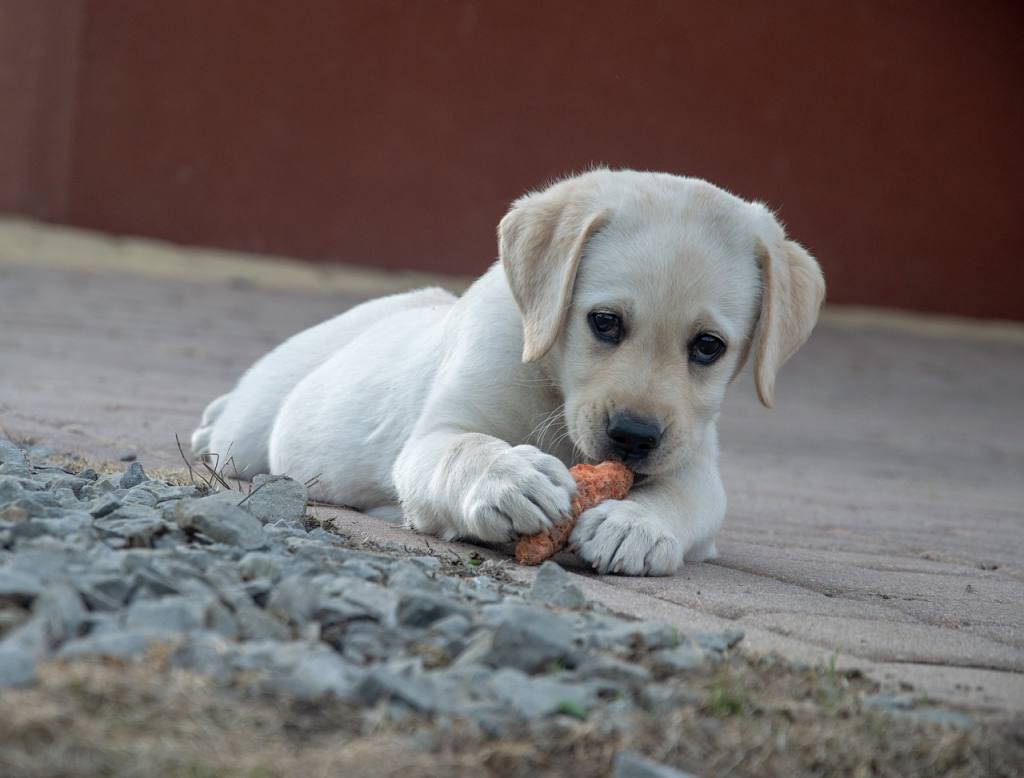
(887, 134)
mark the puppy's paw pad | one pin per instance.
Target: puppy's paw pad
(620, 536)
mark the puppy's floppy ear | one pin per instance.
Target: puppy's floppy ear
(793, 289)
(541, 240)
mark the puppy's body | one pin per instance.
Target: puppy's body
(468, 411)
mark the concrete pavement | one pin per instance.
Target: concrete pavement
(877, 512)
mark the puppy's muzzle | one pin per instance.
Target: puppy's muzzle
(632, 438)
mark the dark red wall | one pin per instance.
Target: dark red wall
(888, 134)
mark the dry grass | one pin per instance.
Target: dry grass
(114, 719)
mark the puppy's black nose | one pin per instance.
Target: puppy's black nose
(632, 437)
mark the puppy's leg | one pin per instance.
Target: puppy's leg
(664, 520)
(470, 485)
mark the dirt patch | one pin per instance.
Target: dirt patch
(745, 718)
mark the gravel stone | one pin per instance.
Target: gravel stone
(133, 476)
(385, 683)
(719, 642)
(256, 624)
(174, 614)
(257, 564)
(669, 661)
(611, 669)
(18, 588)
(615, 633)
(630, 765)
(107, 503)
(295, 599)
(17, 666)
(530, 639)
(538, 697)
(276, 497)
(221, 521)
(360, 569)
(10, 490)
(420, 609)
(118, 645)
(554, 586)
(11, 454)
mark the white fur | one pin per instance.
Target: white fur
(426, 401)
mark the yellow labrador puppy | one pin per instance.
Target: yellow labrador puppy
(623, 305)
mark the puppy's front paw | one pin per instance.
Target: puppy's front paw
(620, 536)
(523, 492)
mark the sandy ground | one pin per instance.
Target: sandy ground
(877, 512)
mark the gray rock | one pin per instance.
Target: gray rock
(554, 586)
(133, 476)
(257, 624)
(299, 669)
(421, 609)
(16, 469)
(719, 642)
(103, 591)
(362, 642)
(18, 588)
(630, 765)
(453, 627)
(137, 524)
(12, 617)
(612, 669)
(295, 599)
(69, 524)
(25, 508)
(10, 490)
(320, 674)
(618, 634)
(386, 683)
(257, 564)
(57, 615)
(481, 589)
(175, 614)
(17, 666)
(276, 497)
(669, 661)
(530, 639)
(429, 563)
(207, 653)
(408, 575)
(539, 697)
(61, 612)
(117, 644)
(140, 495)
(221, 521)
(57, 479)
(375, 601)
(11, 454)
(360, 569)
(104, 504)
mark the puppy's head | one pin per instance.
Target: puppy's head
(644, 293)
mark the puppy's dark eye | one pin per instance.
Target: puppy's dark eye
(606, 326)
(706, 348)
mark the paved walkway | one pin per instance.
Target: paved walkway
(878, 511)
